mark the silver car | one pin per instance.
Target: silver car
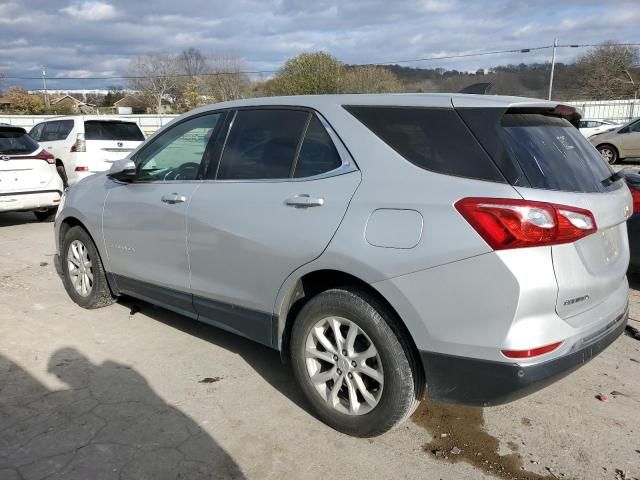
(471, 246)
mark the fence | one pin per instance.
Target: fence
(619, 111)
(148, 123)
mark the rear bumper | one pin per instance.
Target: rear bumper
(470, 381)
(18, 201)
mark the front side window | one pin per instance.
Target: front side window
(635, 127)
(262, 144)
(177, 153)
(36, 132)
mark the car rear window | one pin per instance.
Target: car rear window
(553, 154)
(535, 148)
(15, 141)
(434, 139)
(112, 130)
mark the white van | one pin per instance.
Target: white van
(85, 144)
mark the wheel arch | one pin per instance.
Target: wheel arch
(316, 281)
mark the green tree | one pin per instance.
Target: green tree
(306, 74)
(369, 79)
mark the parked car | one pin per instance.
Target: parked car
(633, 224)
(28, 177)
(619, 143)
(380, 242)
(590, 126)
(85, 144)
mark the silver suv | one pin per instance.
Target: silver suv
(473, 246)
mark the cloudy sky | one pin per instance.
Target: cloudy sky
(98, 38)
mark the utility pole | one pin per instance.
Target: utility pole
(553, 65)
(44, 84)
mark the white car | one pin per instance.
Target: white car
(28, 177)
(85, 144)
(590, 127)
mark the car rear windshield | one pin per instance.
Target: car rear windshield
(15, 141)
(538, 149)
(112, 130)
(434, 139)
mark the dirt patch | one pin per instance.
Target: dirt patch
(459, 436)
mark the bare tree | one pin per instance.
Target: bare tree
(604, 71)
(193, 62)
(155, 76)
(225, 79)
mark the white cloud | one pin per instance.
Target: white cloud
(90, 11)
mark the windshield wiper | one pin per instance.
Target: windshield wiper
(614, 177)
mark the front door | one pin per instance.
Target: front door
(279, 194)
(144, 222)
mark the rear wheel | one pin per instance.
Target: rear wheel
(63, 174)
(354, 367)
(82, 271)
(46, 214)
(609, 153)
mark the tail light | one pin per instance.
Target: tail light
(81, 169)
(635, 194)
(80, 145)
(506, 223)
(44, 155)
(533, 352)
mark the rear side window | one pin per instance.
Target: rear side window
(56, 130)
(318, 154)
(15, 141)
(262, 144)
(553, 154)
(112, 130)
(430, 138)
(36, 132)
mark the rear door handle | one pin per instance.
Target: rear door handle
(304, 201)
(173, 198)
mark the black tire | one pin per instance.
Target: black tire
(609, 153)
(403, 384)
(100, 295)
(46, 215)
(63, 175)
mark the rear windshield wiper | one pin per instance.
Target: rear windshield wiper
(614, 177)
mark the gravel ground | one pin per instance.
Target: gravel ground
(118, 393)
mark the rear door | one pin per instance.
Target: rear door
(110, 140)
(550, 161)
(272, 204)
(19, 171)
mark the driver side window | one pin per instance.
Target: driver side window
(177, 153)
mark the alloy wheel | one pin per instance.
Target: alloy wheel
(344, 366)
(80, 268)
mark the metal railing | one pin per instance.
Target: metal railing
(619, 111)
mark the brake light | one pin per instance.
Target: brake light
(80, 145)
(82, 169)
(534, 352)
(635, 195)
(507, 223)
(44, 155)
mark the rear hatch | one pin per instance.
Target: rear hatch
(20, 171)
(110, 140)
(547, 159)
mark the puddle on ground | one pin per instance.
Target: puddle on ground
(460, 430)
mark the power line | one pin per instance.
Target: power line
(391, 62)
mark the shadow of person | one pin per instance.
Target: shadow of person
(109, 423)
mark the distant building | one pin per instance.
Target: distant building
(132, 102)
(67, 103)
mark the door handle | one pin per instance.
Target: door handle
(304, 201)
(173, 198)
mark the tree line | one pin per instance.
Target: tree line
(167, 82)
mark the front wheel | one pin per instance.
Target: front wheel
(82, 272)
(608, 153)
(353, 364)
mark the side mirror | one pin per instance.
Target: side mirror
(123, 170)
